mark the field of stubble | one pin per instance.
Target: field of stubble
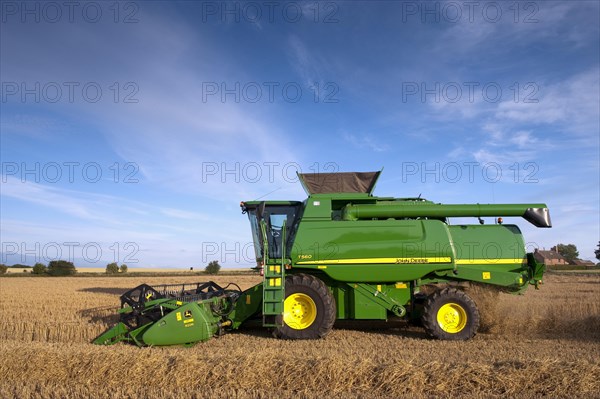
(543, 344)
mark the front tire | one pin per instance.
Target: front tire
(450, 314)
(309, 308)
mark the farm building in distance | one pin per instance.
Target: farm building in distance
(586, 263)
(553, 258)
(550, 258)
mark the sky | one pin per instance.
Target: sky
(131, 131)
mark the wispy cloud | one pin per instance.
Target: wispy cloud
(308, 64)
(366, 141)
(58, 199)
(520, 25)
(573, 104)
(516, 130)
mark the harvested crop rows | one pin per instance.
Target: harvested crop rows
(545, 343)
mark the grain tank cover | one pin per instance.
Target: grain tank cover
(344, 182)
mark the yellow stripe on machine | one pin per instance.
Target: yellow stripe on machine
(491, 261)
(442, 259)
(428, 260)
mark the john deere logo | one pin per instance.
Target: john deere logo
(188, 313)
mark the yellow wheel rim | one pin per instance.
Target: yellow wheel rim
(452, 318)
(299, 311)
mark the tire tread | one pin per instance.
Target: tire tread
(436, 300)
(329, 314)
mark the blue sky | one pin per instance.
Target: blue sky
(131, 131)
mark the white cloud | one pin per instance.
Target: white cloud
(573, 104)
(518, 24)
(307, 63)
(60, 200)
(366, 142)
(516, 131)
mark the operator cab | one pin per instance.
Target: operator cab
(280, 219)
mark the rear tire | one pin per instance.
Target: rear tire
(309, 309)
(451, 315)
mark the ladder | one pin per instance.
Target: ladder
(273, 282)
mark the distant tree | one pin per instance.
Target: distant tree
(213, 267)
(3, 268)
(597, 252)
(568, 251)
(123, 268)
(112, 268)
(20, 266)
(61, 268)
(39, 268)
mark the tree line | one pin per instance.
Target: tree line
(54, 268)
(65, 268)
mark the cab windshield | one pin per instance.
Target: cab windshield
(275, 217)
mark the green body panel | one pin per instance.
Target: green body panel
(363, 307)
(192, 322)
(376, 300)
(118, 333)
(489, 274)
(136, 335)
(368, 301)
(375, 273)
(248, 305)
(373, 251)
(341, 294)
(536, 270)
(493, 243)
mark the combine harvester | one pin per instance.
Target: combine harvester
(344, 254)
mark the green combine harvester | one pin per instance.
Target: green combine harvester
(344, 254)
